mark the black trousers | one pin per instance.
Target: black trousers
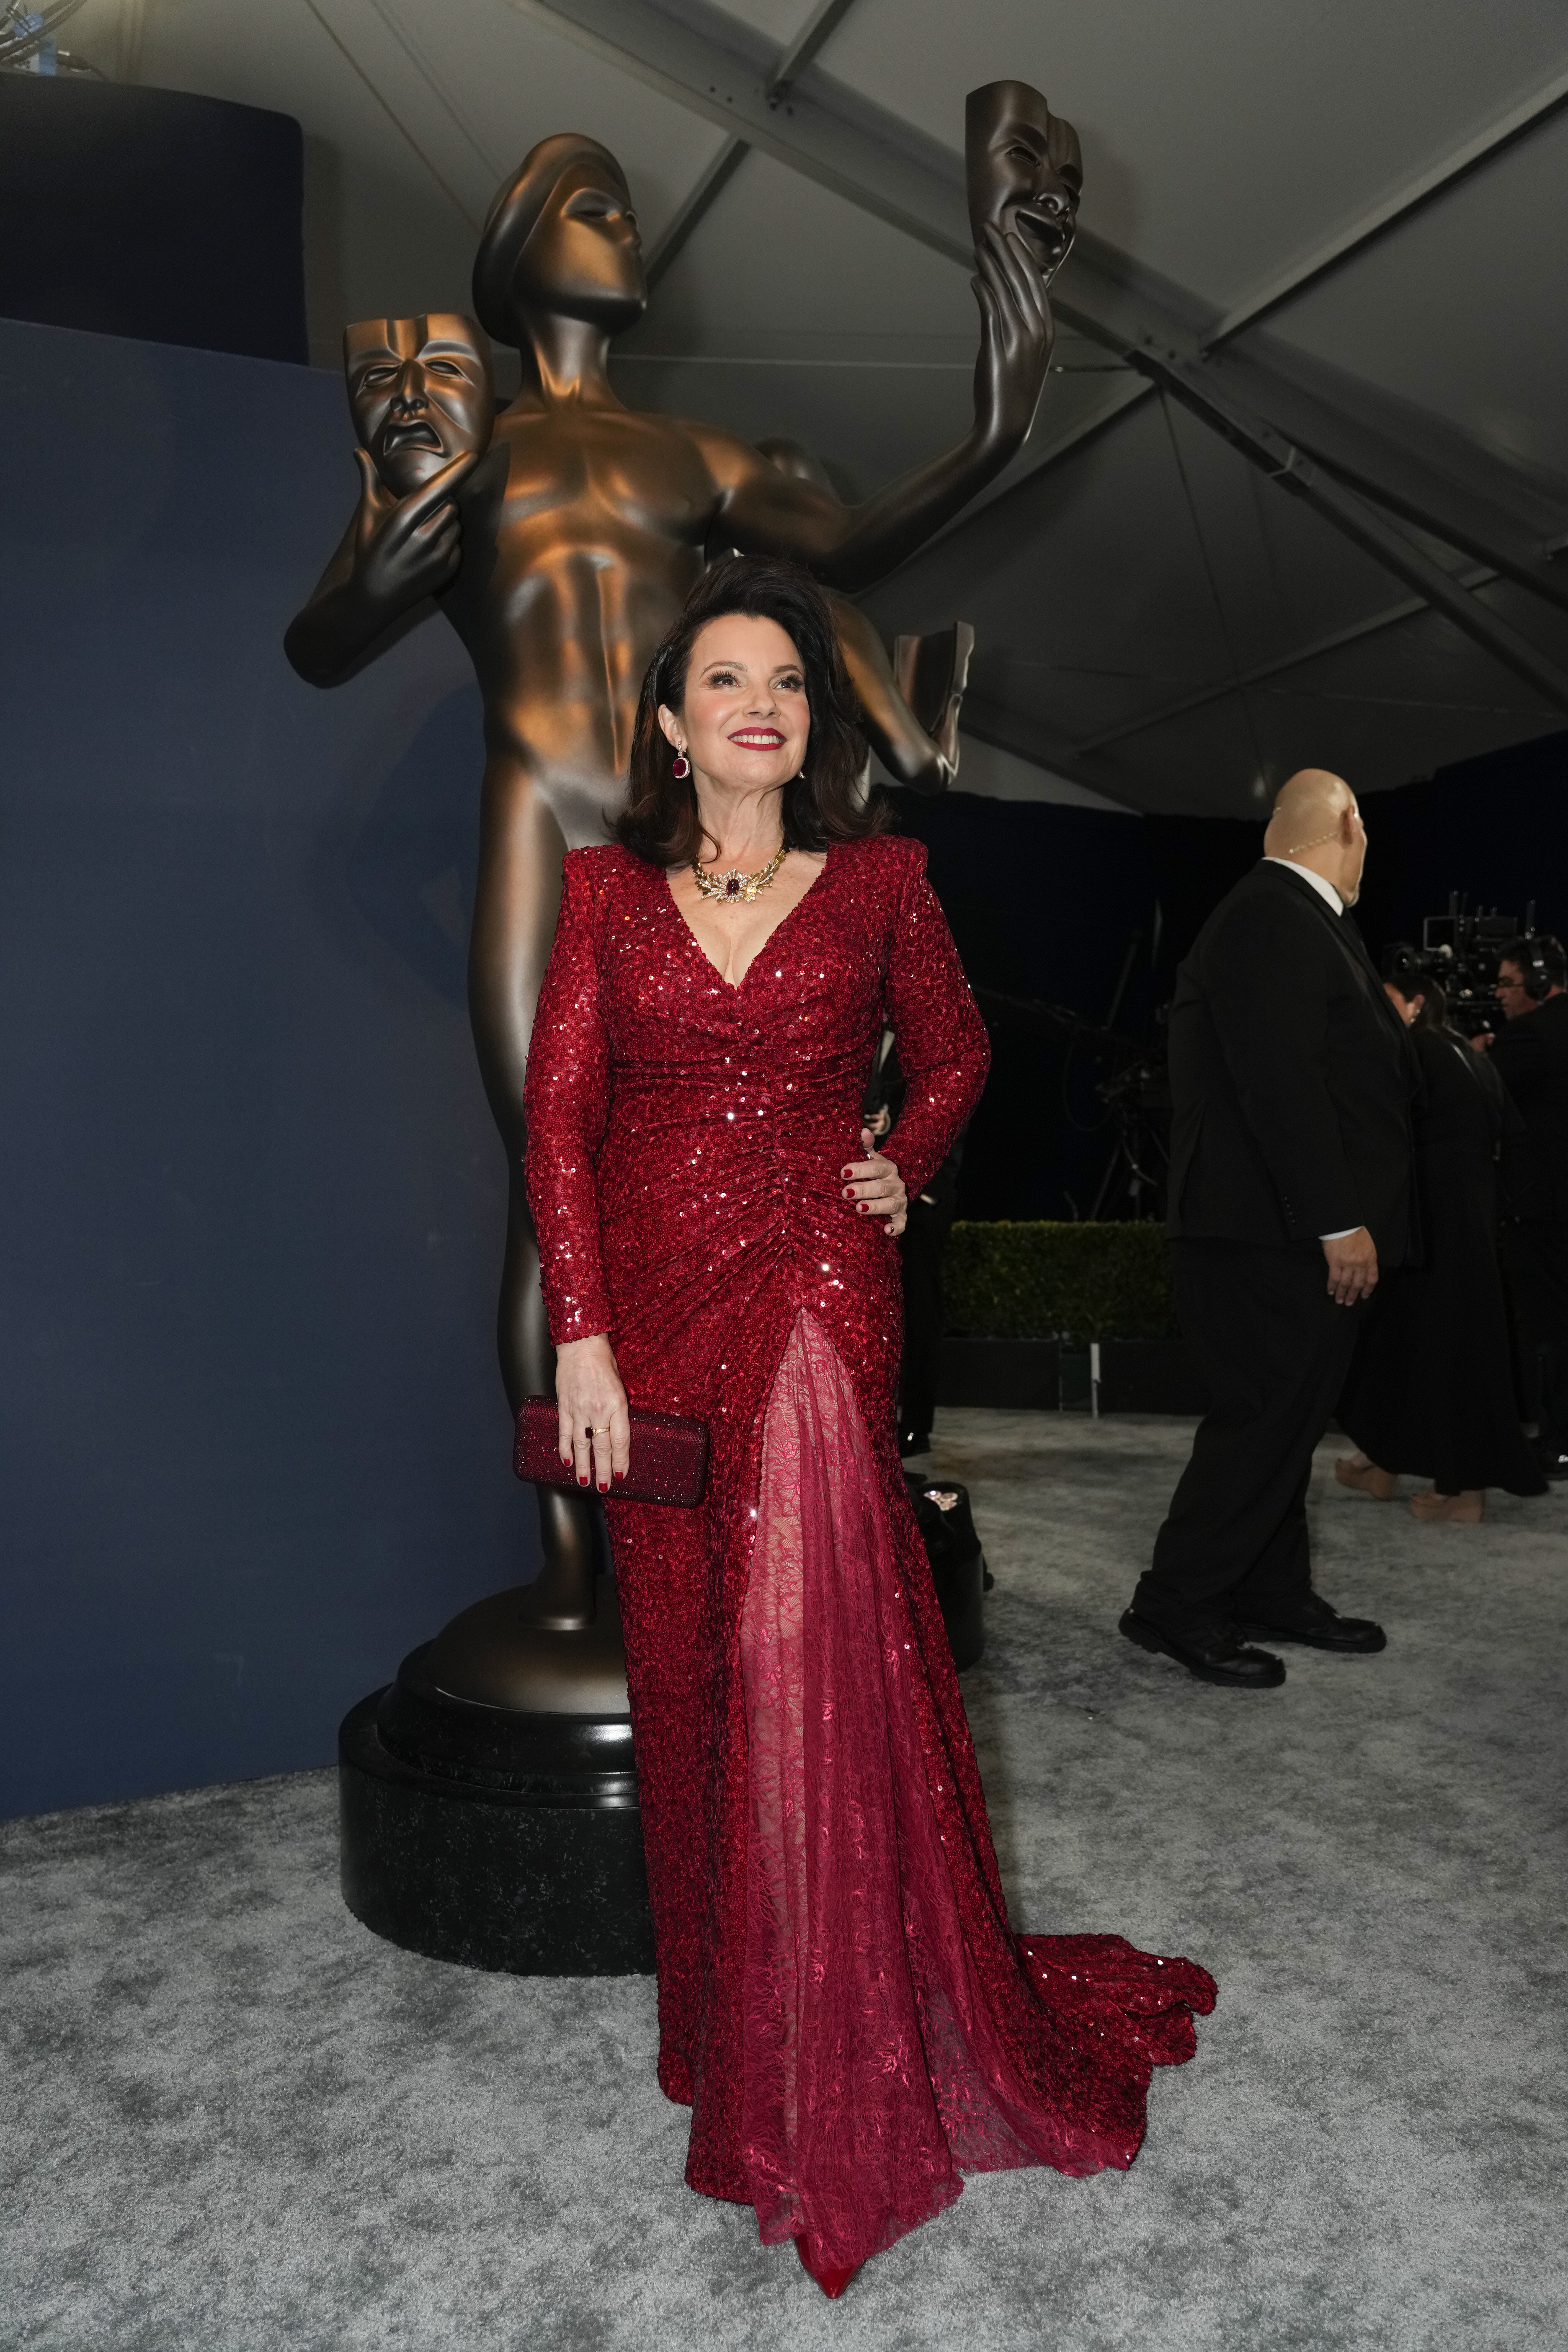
(1536, 1255)
(922, 1245)
(1272, 1349)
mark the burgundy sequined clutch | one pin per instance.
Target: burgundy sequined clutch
(669, 1455)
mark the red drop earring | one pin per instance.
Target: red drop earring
(681, 765)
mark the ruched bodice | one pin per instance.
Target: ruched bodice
(708, 1124)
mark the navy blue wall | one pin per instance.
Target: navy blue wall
(255, 1444)
(151, 213)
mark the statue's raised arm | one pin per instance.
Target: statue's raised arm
(1025, 175)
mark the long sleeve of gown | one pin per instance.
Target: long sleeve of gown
(566, 1098)
(942, 1040)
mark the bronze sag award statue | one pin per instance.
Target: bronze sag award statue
(560, 539)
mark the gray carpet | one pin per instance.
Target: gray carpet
(232, 2120)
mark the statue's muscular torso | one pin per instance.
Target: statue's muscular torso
(583, 532)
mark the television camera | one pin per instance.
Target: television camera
(1459, 951)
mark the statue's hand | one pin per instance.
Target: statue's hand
(404, 548)
(1016, 331)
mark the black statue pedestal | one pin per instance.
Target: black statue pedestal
(501, 1829)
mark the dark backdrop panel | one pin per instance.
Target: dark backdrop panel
(1042, 899)
(1495, 829)
(149, 213)
(1195, 861)
(255, 1443)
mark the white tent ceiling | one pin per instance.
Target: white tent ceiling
(1379, 185)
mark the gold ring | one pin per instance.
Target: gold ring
(594, 1431)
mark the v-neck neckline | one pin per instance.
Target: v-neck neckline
(735, 986)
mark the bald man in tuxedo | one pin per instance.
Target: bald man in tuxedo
(1290, 1186)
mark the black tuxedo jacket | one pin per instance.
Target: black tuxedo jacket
(1292, 1076)
(1531, 1055)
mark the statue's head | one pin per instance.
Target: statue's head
(422, 392)
(1024, 169)
(561, 236)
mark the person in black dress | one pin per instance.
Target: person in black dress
(1431, 1388)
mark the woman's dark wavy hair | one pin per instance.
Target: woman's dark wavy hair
(820, 806)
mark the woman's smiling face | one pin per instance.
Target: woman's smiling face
(745, 719)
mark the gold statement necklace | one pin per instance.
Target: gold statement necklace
(734, 885)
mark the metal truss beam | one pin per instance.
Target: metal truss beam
(696, 208)
(1414, 198)
(1473, 501)
(823, 22)
(1287, 465)
(813, 35)
(718, 67)
(375, 91)
(1152, 328)
(1281, 667)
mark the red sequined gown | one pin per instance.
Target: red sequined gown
(841, 1998)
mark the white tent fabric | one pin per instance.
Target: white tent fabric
(1337, 224)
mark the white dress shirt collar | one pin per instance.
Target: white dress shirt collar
(1325, 890)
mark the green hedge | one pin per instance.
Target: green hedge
(1049, 1281)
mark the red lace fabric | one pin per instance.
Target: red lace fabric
(841, 1997)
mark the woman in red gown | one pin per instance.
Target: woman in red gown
(841, 1998)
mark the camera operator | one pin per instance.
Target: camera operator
(1431, 1387)
(1530, 1054)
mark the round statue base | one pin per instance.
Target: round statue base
(495, 1836)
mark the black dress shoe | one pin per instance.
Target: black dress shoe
(1321, 1628)
(1215, 1653)
(1553, 1460)
(913, 1440)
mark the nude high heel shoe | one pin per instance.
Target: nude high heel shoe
(1465, 1509)
(1366, 1478)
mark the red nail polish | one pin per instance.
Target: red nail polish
(604, 1486)
(582, 1478)
(620, 1473)
(566, 1462)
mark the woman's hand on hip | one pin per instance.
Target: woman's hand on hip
(595, 1425)
(875, 1186)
